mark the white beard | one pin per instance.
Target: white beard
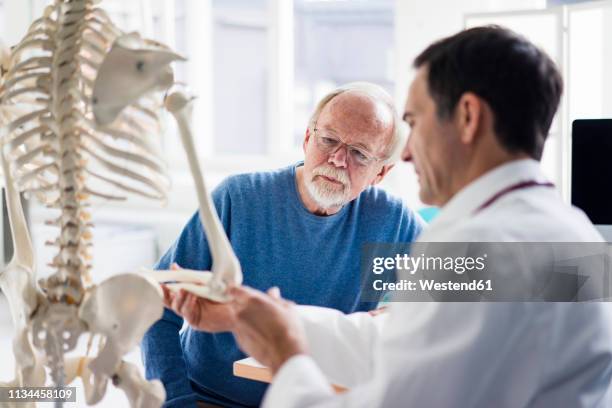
(326, 194)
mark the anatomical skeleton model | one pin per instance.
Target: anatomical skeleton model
(80, 106)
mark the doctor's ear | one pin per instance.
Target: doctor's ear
(469, 114)
(381, 174)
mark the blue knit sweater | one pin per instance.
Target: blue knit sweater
(313, 259)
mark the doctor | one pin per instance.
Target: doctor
(480, 108)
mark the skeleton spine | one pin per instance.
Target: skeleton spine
(66, 284)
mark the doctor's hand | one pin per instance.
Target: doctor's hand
(201, 314)
(267, 327)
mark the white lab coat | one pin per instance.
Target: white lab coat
(465, 354)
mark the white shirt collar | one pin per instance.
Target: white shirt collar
(467, 200)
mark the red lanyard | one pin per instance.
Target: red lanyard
(518, 186)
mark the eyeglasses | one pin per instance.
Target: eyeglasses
(329, 144)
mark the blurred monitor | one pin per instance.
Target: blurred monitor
(591, 183)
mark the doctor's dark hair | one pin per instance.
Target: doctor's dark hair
(520, 83)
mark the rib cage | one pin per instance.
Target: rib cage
(41, 124)
(56, 151)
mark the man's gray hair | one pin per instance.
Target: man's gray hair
(377, 93)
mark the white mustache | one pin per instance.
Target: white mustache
(332, 172)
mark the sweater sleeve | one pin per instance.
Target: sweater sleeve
(162, 353)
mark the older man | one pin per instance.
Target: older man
(480, 108)
(300, 228)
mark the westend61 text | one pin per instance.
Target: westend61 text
(433, 285)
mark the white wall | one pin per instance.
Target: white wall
(418, 24)
(15, 20)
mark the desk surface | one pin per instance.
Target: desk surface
(252, 369)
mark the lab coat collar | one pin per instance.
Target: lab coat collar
(466, 201)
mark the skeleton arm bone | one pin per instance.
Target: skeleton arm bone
(23, 252)
(225, 268)
(17, 283)
(196, 282)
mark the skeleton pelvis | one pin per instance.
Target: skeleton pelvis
(122, 308)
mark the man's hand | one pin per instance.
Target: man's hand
(201, 314)
(267, 327)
